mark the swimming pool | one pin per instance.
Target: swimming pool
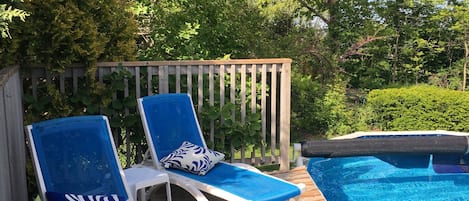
(388, 177)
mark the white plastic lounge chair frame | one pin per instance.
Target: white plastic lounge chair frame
(129, 181)
(176, 115)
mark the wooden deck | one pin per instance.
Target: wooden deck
(295, 175)
(300, 175)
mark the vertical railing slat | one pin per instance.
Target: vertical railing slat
(253, 104)
(75, 80)
(222, 96)
(116, 132)
(149, 80)
(233, 100)
(243, 93)
(189, 79)
(211, 91)
(178, 79)
(243, 106)
(273, 111)
(200, 88)
(137, 83)
(62, 83)
(100, 75)
(285, 107)
(163, 85)
(264, 108)
(127, 131)
(222, 86)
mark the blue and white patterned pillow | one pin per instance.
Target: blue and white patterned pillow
(192, 158)
(55, 196)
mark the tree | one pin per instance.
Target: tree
(59, 33)
(203, 29)
(7, 13)
(461, 16)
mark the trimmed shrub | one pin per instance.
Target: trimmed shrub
(419, 108)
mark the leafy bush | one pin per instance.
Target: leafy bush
(306, 106)
(230, 131)
(318, 109)
(58, 33)
(419, 108)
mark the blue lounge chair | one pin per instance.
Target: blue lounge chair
(168, 121)
(75, 159)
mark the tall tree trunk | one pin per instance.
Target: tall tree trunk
(466, 55)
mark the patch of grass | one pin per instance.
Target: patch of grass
(272, 167)
(268, 168)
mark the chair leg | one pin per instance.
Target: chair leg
(196, 193)
(141, 195)
(168, 192)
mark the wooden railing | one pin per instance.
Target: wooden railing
(12, 147)
(222, 81)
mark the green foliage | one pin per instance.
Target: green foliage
(419, 108)
(447, 78)
(11, 14)
(203, 29)
(107, 98)
(306, 106)
(320, 111)
(376, 44)
(338, 115)
(7, 13)
(58, 33)
(231, 131)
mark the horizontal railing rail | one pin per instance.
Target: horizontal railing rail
(253, 85)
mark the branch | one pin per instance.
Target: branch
(355, 49)
(314, 11)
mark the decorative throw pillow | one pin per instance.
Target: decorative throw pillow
(54, 196)
(192, 158)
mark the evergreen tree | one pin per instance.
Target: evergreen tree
(7, 13)
(59, 33)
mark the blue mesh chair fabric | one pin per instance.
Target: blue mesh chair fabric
(171, 121)
(76, 155)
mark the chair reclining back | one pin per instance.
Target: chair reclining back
(171, 120)
(76, 155)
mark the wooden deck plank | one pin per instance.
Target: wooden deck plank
(300, 175)
(296, 175)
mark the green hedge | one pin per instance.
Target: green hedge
(419, 108)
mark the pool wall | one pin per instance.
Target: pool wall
(301, 160)
(388, 133)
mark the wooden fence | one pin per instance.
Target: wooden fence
(12, 145)
(265, 81)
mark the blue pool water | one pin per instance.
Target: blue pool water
(371, 178)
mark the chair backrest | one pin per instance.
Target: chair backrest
(76, 155)
(169, 120)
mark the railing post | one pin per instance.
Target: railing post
(285, 93)
(13, 182)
